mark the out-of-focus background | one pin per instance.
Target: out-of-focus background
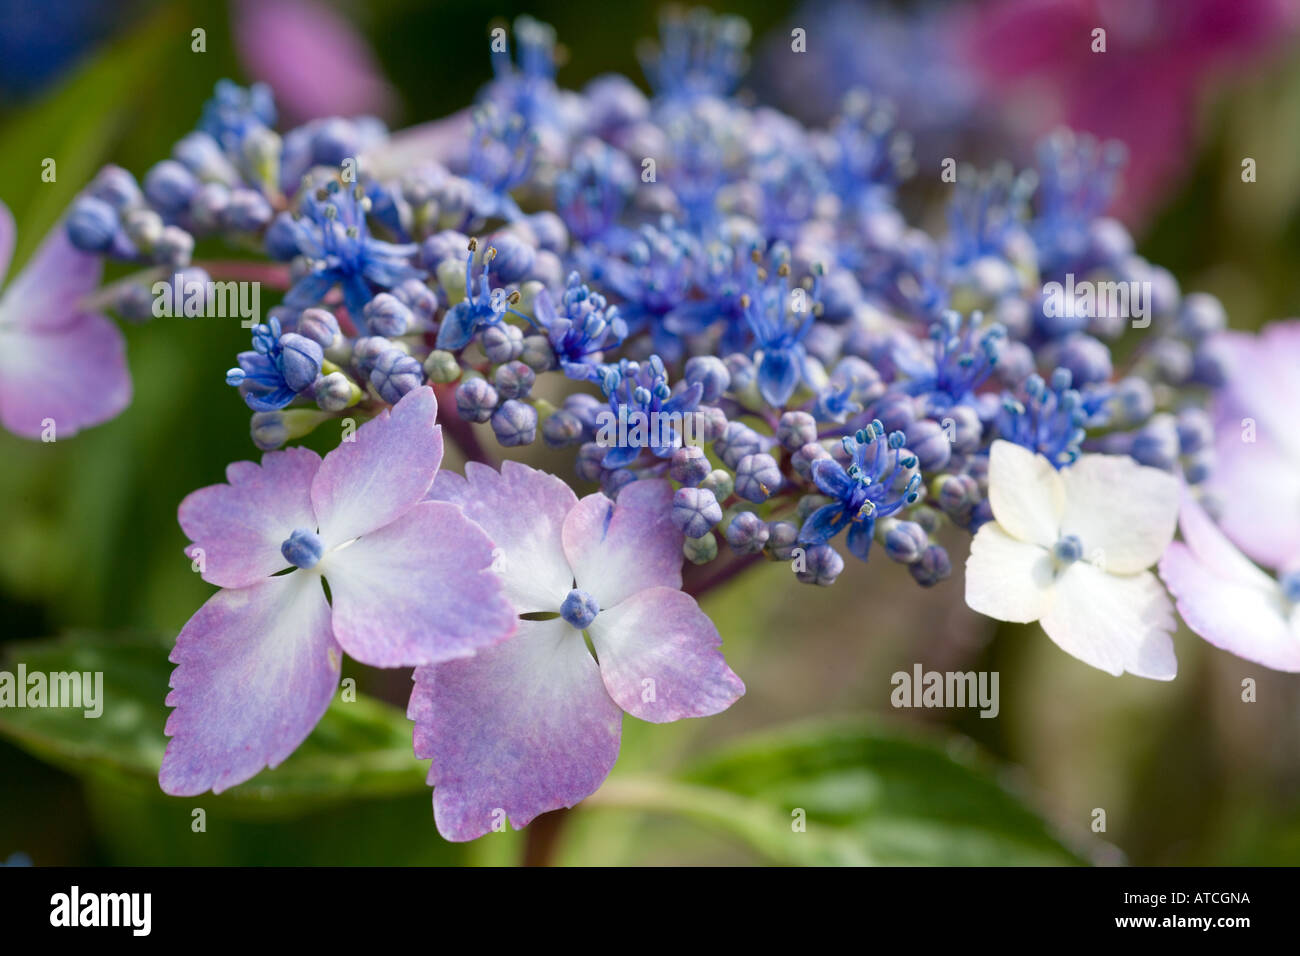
(1186, 772)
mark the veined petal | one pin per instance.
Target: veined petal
(74, 375)
(831, 478)
(255, 670)
(47, 293)
(1115, 622)
(660, 659)
(1248, 621)
(824, 523)
(617, 549)
(520, 728)
(1026, 494)
(1258, 485)
(1123, 513)
(1006, 579)
(778, 375)
(419, 591)
(522, 510)
(1213, 549)
(384, 471)
(239, 527)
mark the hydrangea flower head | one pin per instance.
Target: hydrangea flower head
(533, 724)
(409, 583)
(1071, 548)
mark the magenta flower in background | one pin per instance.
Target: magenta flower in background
(312, 57)
(409, 583)
(1229, 601)
(1256, 478)
(533, 724)
(1160, 57)
(59, 362)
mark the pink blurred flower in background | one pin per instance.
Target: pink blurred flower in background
(312, 57)
(1161, 56)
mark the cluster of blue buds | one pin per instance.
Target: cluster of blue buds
(688, 287)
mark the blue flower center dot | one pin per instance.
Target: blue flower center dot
(579, 608)
(303, 548)
(1068, 550)
(1291, 586)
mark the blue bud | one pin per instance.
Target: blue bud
(589, 463)
(1198, 466)
(1209, 364)
(515, 423)
(802, 460)
(742, 371)
(782, 538)
(501, 342)
(796, 429)
(514, 259)
(174, 247)
(476, 399)
(710, 373)
(822, 565)
(117, 187)
(695, 511)
(367, 349)
(319, 325)
(268, 430)
(1200, 316)
(1195, 430)
(1156, 444)
(737, 441)
(689, 465)
(550, 231)
(579, 608)
(300, 360)
(281, 238)
(561, 429)
(92, 224)
(247, 210)
(169, 186)
(1173, 360)
(419, 298)
(957, 494)
(758, 477)
(514, 380)
(333, 392)
(933, 567)
(394, 374)
(586, 407)
(927, 440)
(896, 411)
(387, 315)
(1086, 358)
(442, 246)
(303, 548)
(905, 542)
(1134, 400)
(747, 533)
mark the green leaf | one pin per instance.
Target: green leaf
(868, 796)
(360, 749)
